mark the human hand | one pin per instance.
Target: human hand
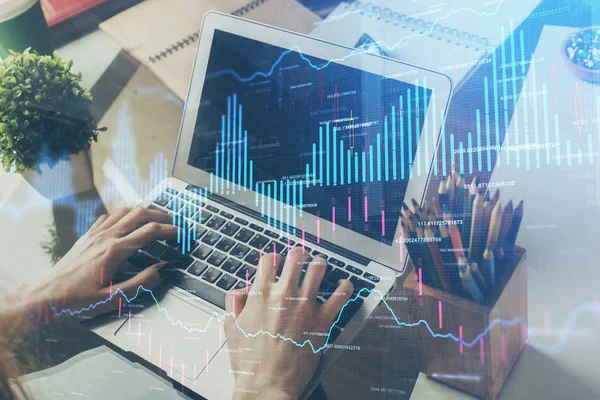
(273, 367)
(83, 276)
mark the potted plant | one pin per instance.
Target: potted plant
(46, 125)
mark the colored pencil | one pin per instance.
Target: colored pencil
(513, 230)
(450, 262)
(476, 228)
(443, 196)
(437, 258)
(469, 284)
(504, 226)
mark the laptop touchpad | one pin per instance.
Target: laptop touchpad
(175, 335)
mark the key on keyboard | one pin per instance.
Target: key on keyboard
(226, 214)
(216, 258)
(226, 282)
(211, 275)
(200, 231)
(143, 261)
(241, 221)
(231, 265)
(211, 238)
(244, 235)
(371, 277)
(202, 252)
(225, 244)
(253, 257)
(334, 276)
(319, 254)
(216, 223)
(275, 247)
(163, 199)
(272, 234)
(360, 284)
(259, 242)
(175, 257)
(240, 285)
(230, 229)
(242, 272)
(354, 270)
(336, 262)
(197, 268)
(198, 288)
(156, 249)
(239, 251)
(203, 216)
(256, 227)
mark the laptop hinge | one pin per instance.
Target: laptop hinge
(284, 227)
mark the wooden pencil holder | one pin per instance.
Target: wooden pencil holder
(494, 333)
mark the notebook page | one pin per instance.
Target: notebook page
(146, 30)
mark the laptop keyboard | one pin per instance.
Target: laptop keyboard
(226, 252)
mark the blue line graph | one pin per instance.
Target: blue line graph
(307, 342)
(354, 52)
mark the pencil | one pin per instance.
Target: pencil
(415, 205)
(485, 226)
(449, 259)
(488, 255)
(427, 263)
(489, 266)
(443, 195)
(436, 208)
(469, 283)
(437, 258)
(472, 193)
(504, 226)
(405, 210)
(513, 230)
(460, 198)
(495, 197)
(477, 275)
(476, 225)
(450, 186)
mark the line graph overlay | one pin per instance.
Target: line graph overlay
(220, 317)
(354, 52)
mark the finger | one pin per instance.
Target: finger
(98, 222)
(267, 269)
(293, 267)
(144, 281)
(139, 217)
(114, 217)
(147, 234)
(338, 299)
(314, 275)
(235, 300)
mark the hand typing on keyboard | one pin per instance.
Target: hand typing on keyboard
(83, 276)
(268, 367)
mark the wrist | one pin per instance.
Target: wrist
(17, 309)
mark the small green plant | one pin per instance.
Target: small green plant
(45, 113)
(51, 246)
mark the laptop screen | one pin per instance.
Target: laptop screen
(321, 137)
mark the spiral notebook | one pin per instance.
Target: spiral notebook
(449, 37)
(162, 34)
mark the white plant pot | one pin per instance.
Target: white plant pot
(66, 178)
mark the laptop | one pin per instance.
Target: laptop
(286, 141)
